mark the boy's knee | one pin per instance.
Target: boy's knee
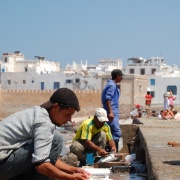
(58, 138)
(57, 142)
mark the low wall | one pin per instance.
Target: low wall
(12, 101)
(129, 131)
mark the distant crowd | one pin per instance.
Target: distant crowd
(167, 113)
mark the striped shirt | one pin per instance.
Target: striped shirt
(88, 129)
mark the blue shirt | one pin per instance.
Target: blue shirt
(111, 92)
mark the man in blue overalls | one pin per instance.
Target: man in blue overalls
(110, 101)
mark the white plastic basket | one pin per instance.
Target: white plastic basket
(98, 173)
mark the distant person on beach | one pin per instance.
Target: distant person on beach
(110, 100)
(30, 145)
(167, 107)
(148, 99)
(171, 98)
(135, 114)
(139, 110)
(92, 136)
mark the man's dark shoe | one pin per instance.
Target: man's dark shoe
(82, 163)
(136, 121)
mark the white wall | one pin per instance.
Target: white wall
(33, 81)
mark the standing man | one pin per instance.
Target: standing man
(110, 101)
(148, 99)
(30, 145)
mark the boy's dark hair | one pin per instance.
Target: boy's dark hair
(65, 98)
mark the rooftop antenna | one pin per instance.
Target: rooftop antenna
(40, 57)
(16, 52)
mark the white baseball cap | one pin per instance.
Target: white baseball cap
(101, 114)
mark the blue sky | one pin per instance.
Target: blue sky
(75, 30)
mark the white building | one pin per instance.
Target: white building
(17, 63)
(161, 77)
(17, 73)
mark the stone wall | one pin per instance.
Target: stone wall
(12, 101)
(129, 131)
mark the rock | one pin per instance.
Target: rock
(70, 159)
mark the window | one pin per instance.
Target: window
(131, 71)
(152, 82)
(42, 85)
(153, 71)
(152, 93)
(69, 81)
(9, 81)
(77, 80)
(173, 88)
(142, 71)
(24, 81)
(5, 60)
(56, 85)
